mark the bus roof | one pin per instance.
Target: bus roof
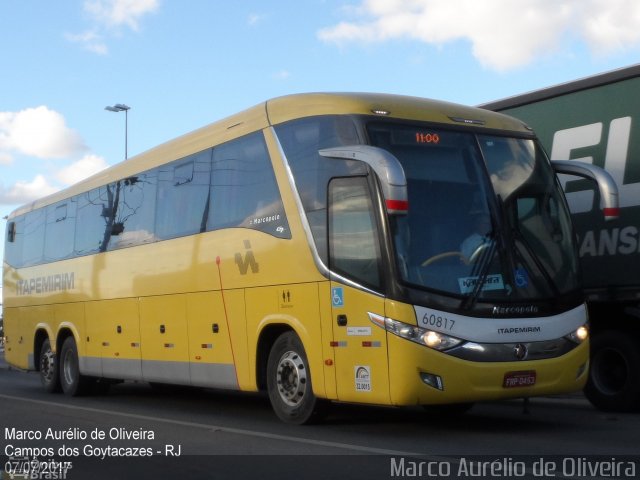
(290, 107)
(283, 109)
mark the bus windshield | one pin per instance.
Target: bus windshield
(486, 216)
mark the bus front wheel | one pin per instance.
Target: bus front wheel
(71, 381)
(289, 382)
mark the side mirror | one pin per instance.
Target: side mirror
(387, 168)
(11, 232)
(606, 183)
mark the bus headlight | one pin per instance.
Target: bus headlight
(579, 335)
(440, 341)
(430, 338)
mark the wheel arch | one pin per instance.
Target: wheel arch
(266, 338)
(44, 332)
(41, 334)
(269, 329)
(64, 331)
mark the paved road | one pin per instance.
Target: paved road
(229, 435)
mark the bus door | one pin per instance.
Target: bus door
(360, 347)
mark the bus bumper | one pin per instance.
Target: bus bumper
(421, 376)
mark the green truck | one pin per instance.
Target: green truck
(597, 120)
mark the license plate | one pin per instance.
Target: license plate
(519, 379)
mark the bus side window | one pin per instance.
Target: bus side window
(91, 213)
(353, 234)
(60, 230)
(183, 196)
(244, 192)
(13, 246)
(134, 219)
(34, 228)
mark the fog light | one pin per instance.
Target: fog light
(432, 380)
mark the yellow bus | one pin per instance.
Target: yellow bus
(362, 248)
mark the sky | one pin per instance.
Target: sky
(181, 64)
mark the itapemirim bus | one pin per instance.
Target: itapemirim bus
(361, 248)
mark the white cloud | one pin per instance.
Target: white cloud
(108, 15)
(5, 158)
(614, 25)
(116, 13)
(24, 192)
(99, 48)
(282, 75)
(90, 40)
(38, 132)
(83, 168)
(504, 34)
(255, 18)
(41, 133)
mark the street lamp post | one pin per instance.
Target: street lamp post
(121, 107)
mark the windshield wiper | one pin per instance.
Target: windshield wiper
(498, 222)
(521, 239)
(480, 271)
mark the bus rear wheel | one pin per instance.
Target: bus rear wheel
(289, 382)
(71, 381)
(48, 364)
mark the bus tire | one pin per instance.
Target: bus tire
(289, 382)
(48, 366)
(71, 381)
(614, 375)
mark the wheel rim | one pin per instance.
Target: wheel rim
(610, 371)
(291, 378)
(68, 367)
(47, 369)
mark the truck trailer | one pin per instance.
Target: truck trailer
(597, 120)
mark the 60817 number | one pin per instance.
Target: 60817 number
(438, 321)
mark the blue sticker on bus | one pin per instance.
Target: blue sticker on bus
(337, 297)
(521, 277)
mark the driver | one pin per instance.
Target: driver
(480, 236)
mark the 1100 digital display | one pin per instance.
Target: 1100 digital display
(427, 137)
